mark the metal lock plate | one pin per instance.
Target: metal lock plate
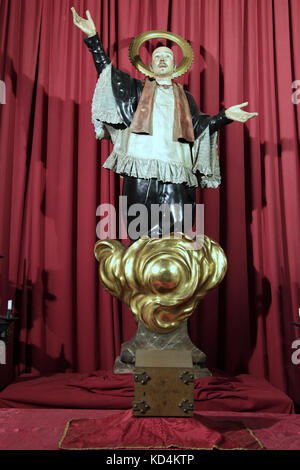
(186, 405)
(140, 406)
(141, 377)
(187, 377)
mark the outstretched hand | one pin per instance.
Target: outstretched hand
(237, 114)
(87, 26)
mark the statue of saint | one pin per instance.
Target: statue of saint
(163, 146)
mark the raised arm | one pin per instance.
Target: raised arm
(92, 40)
(95, 47)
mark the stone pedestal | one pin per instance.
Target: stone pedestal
(147, 339)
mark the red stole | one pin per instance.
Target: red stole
(182, 126)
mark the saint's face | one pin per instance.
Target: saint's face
(162, 63)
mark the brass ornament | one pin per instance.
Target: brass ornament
(161, 279)
(135, 59)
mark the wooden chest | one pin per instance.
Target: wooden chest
(163, 383)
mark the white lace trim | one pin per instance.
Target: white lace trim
(207, 159)
(104, 108)
(164, 171)
(150, 168)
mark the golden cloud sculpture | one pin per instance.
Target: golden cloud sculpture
(161, 279)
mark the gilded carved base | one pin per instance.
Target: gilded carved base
(161, 280)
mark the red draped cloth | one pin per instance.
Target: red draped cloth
(43, 429)
(124, 431)
(52, 180)
(106, 390)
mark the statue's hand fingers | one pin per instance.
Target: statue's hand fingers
(242, 105)
(249, 116)
(88, 15)
(76, 17)
(92, 24)
(74, 14)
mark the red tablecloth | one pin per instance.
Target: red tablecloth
(42, 429)
(125, 431)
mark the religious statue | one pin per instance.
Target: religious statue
(164, 147)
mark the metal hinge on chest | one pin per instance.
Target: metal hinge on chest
(187, 377)
(141, 377)
(186, 405)
(140, 406)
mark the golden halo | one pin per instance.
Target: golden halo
(134, 48)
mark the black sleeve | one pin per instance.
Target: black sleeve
(217, 121)
(95, 47)
(201, 120)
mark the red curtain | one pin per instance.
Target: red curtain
(52, 180)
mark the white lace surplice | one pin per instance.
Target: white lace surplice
(156, 155)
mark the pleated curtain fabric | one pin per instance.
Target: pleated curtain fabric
(52, 181)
